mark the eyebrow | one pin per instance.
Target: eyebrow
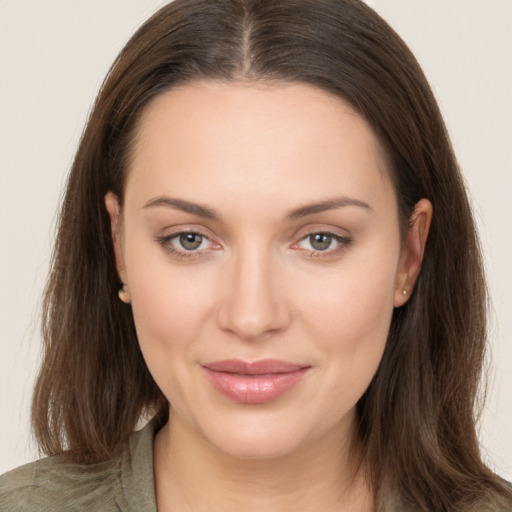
(185, 206)
(323, 206)
(297, 213)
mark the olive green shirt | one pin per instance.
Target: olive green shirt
(53, 484)
(124, 484)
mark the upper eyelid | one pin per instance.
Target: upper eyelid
(169, 245)
(342, 244)
(177, 234)
(335, 236)
(173, 231)
(338, 233)
(306, 231)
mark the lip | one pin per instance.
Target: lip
(254, 382)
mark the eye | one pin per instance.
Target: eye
(322, 243)
(190, 241)
(186, 244)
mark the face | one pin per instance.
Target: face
(260, 245)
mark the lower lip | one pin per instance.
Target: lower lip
(254, 389)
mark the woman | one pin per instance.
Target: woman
(266, 247)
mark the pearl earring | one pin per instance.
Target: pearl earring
(124, 294)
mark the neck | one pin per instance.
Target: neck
(192, 474)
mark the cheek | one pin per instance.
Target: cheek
(170, 308)
(353, 300)
(171, 303)
(349, 316)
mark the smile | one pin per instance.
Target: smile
(254, 383)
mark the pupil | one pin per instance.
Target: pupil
(320, 241)
(190, 241)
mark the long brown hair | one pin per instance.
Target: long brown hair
(417, 418)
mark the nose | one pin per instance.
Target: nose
(254, 302)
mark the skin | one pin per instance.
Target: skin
(259, 287)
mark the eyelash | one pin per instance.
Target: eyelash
(341, 241)
(184, 254)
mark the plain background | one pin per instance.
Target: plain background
(53, 57)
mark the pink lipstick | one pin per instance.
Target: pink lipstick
(254, 382)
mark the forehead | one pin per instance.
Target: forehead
(255, 139)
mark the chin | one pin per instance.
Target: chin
(262, 436)
(260, 446)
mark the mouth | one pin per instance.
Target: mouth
(255, 382)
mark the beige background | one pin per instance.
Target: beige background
(53, 57)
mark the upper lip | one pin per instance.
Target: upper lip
(261, 367)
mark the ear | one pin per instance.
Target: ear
(114, 211)
(411, 256)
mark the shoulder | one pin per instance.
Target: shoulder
(53, 484)
(491, 503)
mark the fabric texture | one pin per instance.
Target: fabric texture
(124, 484)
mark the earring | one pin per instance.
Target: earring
(124, 294)
(404, 292)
